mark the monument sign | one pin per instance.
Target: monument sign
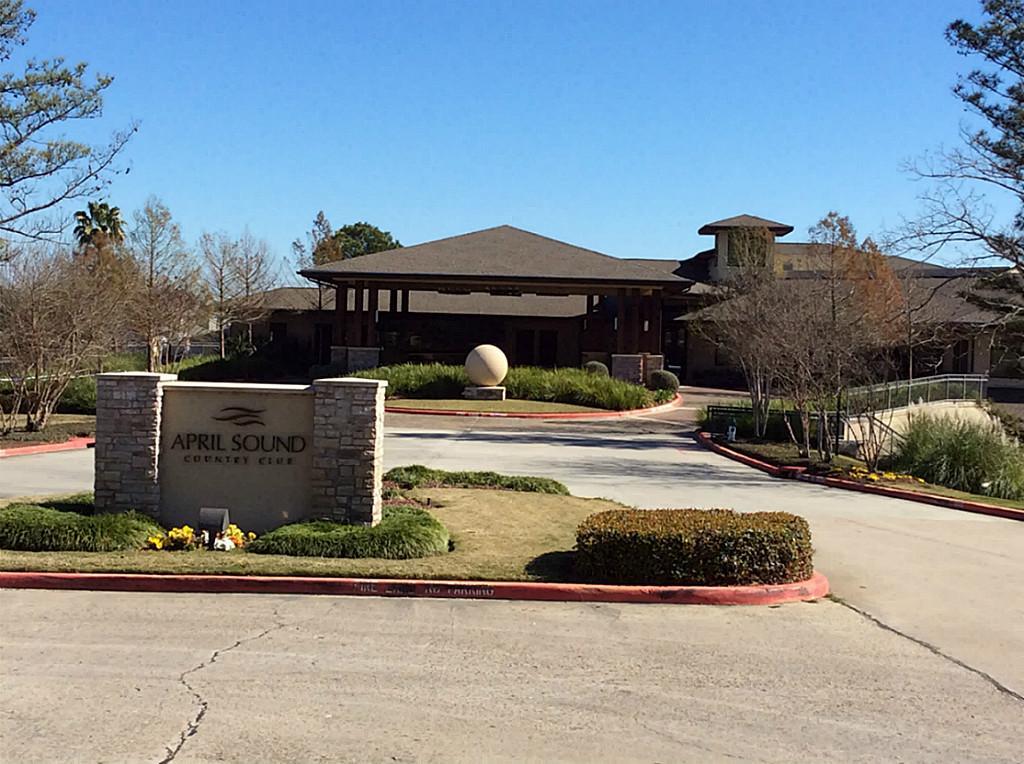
(269, 454)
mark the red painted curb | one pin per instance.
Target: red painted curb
(72, 444)
(705, 440)
(852, 485)
(775, 594)
(925, 498)
(677, 401)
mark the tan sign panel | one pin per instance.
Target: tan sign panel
(247, 448)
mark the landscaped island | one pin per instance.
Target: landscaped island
(981, 461)
(437, 525)
(573, 387)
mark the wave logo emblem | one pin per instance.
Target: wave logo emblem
(240, 416)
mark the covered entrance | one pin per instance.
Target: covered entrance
(544, 302)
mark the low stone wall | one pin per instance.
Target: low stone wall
(353, 359)
(897, 420)
(636, 367)
(629, 368)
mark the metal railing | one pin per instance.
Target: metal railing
(720, 417)
(900, 393)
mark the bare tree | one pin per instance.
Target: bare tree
(55, 317)
(167, 299)
(743, 321)
(218, 252)
(831, 324)
(237, 273)
(254, 273)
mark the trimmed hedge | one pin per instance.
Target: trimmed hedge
(37, 528)
(528, 383)
(404, 532)
(662, 379)
(418, 476)
(693, 547)
(238, 368)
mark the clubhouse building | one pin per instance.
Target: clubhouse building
(549, 303)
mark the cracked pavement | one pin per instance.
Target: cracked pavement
(202, 705)
(127, 677)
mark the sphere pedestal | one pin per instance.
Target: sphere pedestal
(484, 393)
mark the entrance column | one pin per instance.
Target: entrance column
(360, 317)
(620, 321)
(371, 318)
(341, 314)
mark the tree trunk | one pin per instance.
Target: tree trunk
(222, 353)
(36, 419)
(153, 351)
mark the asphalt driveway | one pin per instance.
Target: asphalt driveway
(914, 583)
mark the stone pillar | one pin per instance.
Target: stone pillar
(629, 367)
(652, 363)
(128, 441)
(348, 449)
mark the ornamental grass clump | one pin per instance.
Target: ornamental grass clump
(976, 457)
(35, 528)
(415, 380)
(404, 532)
(418, 476)
(578, 387)
(693, 547)
(573, 386)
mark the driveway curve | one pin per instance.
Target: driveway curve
(946, 579)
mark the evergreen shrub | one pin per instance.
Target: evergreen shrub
(693, 547)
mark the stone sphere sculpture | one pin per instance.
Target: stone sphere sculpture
(486, 366)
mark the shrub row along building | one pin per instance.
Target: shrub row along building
(548, 303)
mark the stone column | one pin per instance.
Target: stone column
(652, 363)
(348, 449)
(128, 441)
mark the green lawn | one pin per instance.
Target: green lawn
(786, 454)
(61, 427)
(498, 535)
(510, 406)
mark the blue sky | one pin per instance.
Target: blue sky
(613, 125)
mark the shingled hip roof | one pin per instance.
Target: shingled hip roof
(745, 221)
(502, 254)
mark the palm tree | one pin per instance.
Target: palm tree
(101, 221)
